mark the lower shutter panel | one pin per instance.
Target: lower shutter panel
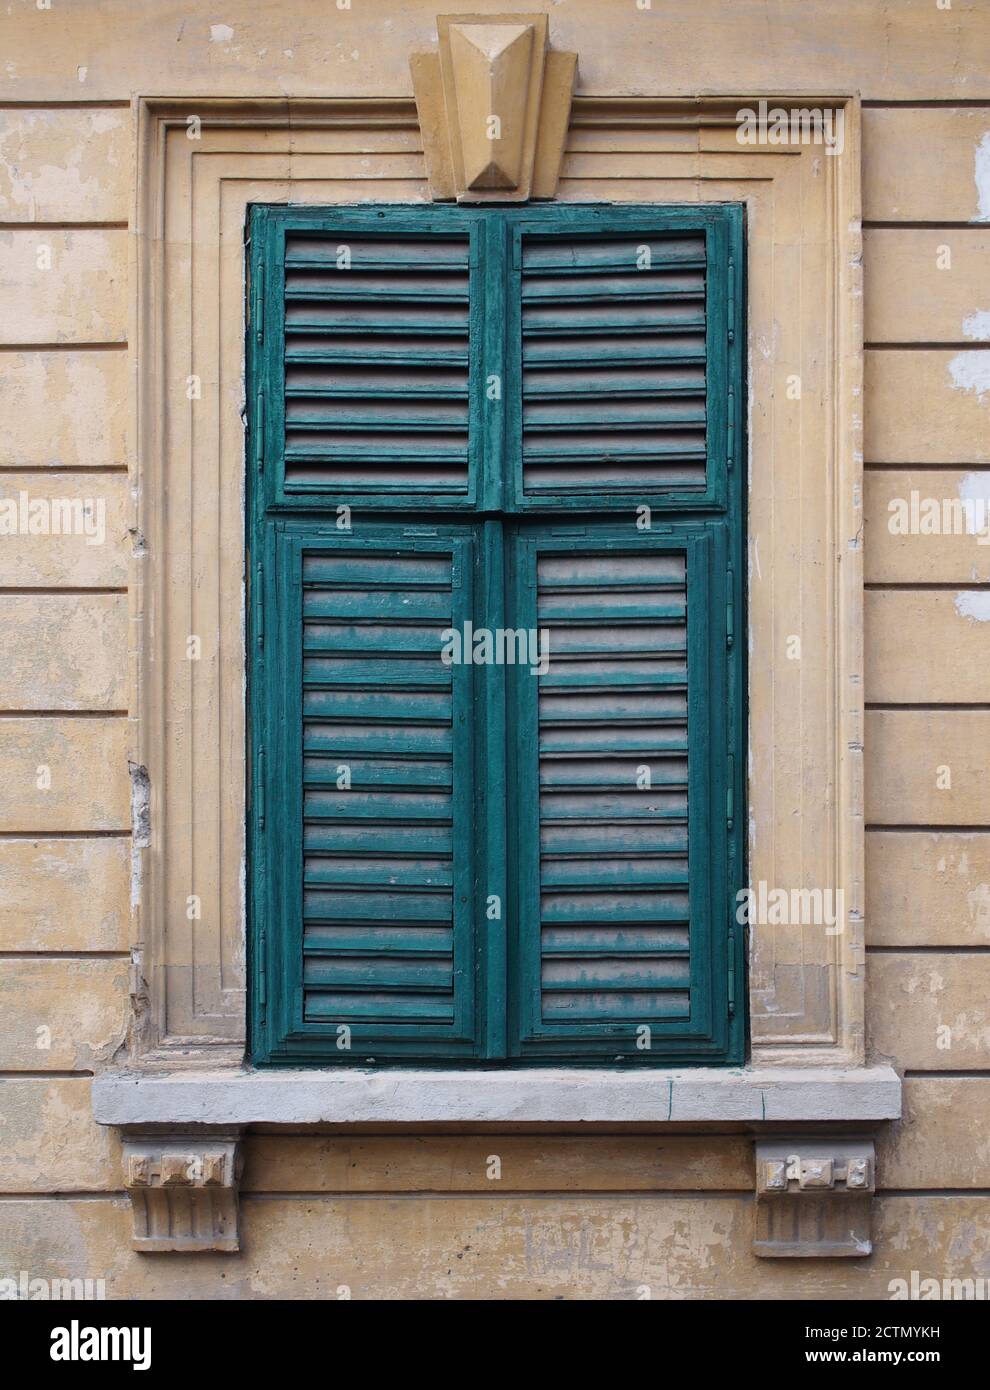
(387, 859)
(613, 905)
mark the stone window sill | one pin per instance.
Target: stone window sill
(239, 1097)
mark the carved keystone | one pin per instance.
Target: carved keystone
(493, 105)
(814, 1197)
(183, 1191)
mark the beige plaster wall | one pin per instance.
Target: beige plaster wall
(572, 1217)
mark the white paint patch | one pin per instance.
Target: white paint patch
(975, 487)
(977, 326)
(981, 176)
(221, 33)
(970, 371)
(974, 604)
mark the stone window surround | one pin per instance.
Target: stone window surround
(185, 1065)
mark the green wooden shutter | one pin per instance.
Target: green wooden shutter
(618, 320)
(622, 913)
(370, 777)
(493, 884)
(376, 372)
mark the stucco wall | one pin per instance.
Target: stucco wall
(392, 1216)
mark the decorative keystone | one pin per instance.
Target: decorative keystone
(183, 1191)
(494, 104)
(814, 1197)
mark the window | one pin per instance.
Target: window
(495, 575)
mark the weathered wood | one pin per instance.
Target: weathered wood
(65, 895)
(927, 889)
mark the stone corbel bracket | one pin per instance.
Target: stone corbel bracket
(814, 1197)
(183, 1191)
(494, 105)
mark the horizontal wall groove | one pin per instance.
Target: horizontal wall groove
(64, 713)
(65, 955)
(922, 103)
(114, 469)
(84, 1074)
(877, 225)
(927, 950)
(81, 104)
(918, 346)
(924, 1075)
(116, 345)
(67, 589)
(925, 467)
(80, 226)
(910, 827)
(65, 835)
(923, 587)
(936, 706)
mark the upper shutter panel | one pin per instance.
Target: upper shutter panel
(386, 738)
(613, 342)
(378, 365)
(615, 919)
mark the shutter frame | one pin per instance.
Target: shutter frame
(710, 1032)
(283, 1029)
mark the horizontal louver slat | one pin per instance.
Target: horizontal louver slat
(377, 362)
(613, 788)
(614, 383)
(380, 842)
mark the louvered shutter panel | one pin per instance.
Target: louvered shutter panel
(621, 840)
(376, 767)
(379, 359)
(619, 323)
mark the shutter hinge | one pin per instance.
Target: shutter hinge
(260, 790)
(259, 301)
(259, 426)
(517, 251)
(730, 433)
(732, 302)
(259, 599)
(262, 973)
(730, 794)
(730, 613)
(732, 971)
